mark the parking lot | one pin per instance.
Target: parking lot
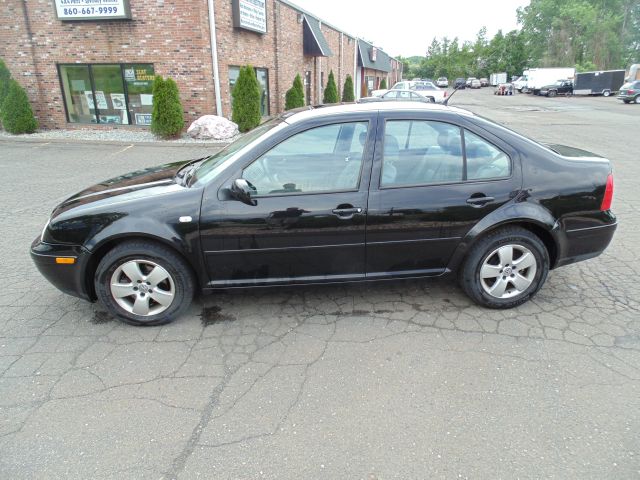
(380, 381)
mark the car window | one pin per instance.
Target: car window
(322, 159)
(404, 95)
(391, 94)
(420, 152)
(484, 160)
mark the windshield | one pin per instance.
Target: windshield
(213, 165)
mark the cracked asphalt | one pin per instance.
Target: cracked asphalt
(382, 381)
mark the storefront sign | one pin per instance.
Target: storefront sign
(250, 15)
(92, 9)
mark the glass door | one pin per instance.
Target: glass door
(78, 94)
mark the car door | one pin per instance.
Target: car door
(308, 221)
(432, 181)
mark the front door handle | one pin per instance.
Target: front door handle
(346, 213)
(479, 201)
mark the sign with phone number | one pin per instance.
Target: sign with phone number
(92, 9)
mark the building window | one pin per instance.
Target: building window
(108, 93)
(262, 75)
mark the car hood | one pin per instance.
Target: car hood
(140, 182)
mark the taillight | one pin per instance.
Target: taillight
(608, 195)
(631, 92)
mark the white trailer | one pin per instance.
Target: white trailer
(539, 77)
(498, 78)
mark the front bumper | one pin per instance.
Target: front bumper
(69, 278)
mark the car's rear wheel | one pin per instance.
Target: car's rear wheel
(505, 268)
(636, 99)
(143, 283)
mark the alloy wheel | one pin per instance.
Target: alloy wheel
(142, 287)
(508, 271)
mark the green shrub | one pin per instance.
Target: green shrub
(347, 90)
(17, 116)
(295, 95)
(246, 100)
(383, 84)
(5, 77)
(167, 117)
(331, 92)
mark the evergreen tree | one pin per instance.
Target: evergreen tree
(331, 91)
(295, 95)
(5, 77)
(17, 116)
(167, 117)
(383, 84)
(347, 90)
(246, 100)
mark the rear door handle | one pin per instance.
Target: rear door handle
(479, 201)
(346, 213)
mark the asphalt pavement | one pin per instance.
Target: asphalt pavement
(401, 380)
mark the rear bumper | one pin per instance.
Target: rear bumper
(69, 278)
(585, 243)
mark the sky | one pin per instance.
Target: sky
(406, 28)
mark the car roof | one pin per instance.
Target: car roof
(306, 113)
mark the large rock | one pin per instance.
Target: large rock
(212, 127)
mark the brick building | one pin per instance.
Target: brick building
(93, 61)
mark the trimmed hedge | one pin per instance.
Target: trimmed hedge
(246, 100)
(295, 95)
(17, 116)
(347, 90)
(167, 117)
(383, 84)
(5, 77)
(331, 92)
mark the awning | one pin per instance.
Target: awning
(314, 42)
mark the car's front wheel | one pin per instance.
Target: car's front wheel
(144, 283)
(505, 268)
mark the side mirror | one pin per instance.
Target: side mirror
(242, 190)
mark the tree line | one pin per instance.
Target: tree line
(585, 34)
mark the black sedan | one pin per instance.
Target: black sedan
(348, 193)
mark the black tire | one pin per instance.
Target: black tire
(469, 276)
(636, 99)
(626, 101)
(552, 93)
(606, 93)
(180, 281)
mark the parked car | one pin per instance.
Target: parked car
(469, 80)
(630, 92)
(460, 84)
(484, 82)
(404, 85)
(401, 95)
(475, 83)
(561, 87)
(442, 82)
(343, 193)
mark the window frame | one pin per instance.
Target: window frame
(122, 66)
(462, 129)
(365, 152)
